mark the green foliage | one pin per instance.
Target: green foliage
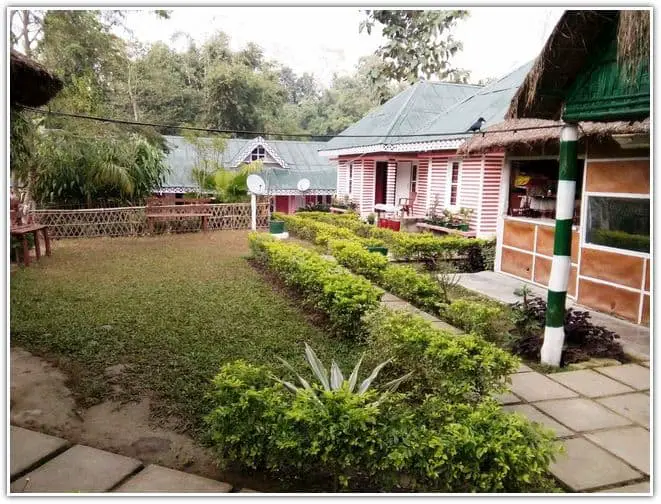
(355, 257)
(307, 229)
(353, 442)
(456, 368)
(417, 288)
(489, 321)
(621, 240)
(325, 286)
(418, 42)
(78, 170)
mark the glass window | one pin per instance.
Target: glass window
(350, 177)
(454, 183)
(257, 153)
(414, 178)
(622, 223)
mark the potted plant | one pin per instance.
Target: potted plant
(449, 218)
(371, 218)
(464, 218)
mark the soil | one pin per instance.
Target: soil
(40, 400)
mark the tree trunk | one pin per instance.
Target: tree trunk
(25, 32)
(134, 105)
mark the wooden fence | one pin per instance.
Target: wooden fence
(131, 221)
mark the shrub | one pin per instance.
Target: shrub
(355, 257)
(359, 444)
(417, 288)
(457, 368)
(488, 321)
(621, 239)
(326, 286)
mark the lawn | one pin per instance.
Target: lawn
(173, 308)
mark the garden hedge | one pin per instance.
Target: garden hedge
(325, 285)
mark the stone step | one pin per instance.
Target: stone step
(157, 479)
(27, 449)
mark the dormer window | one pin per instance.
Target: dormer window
(257, 153)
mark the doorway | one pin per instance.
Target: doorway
(381, 183)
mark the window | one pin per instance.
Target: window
(350, 177)
(534, 186)
(454, 183)
(257, 153)
(622, 223)
(414, 178)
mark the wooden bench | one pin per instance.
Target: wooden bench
(157, 211)
(441, 229)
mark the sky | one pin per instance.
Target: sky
(325, 40)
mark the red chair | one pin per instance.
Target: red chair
(406, 204)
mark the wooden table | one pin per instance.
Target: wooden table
(23, 231)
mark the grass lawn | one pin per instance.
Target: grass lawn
(173, 308)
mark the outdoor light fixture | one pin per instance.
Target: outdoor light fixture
(633, 141)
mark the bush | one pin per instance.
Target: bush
(310, 230)
(486, 320)
(355, 257)
(324, 285)
(318, 207)
(417, 288)
(354, 442)
(621, 240)
(456, 368)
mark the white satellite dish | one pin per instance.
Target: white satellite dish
(256, 184)
(303, 185)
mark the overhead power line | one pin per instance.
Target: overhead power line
(267, 134)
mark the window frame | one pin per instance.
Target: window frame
(585, 203)
(350, 179)
(257, 152)
(413, 184)
(449, 183)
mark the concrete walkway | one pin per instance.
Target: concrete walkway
(603, 417)
(635, 339)
(45, 464)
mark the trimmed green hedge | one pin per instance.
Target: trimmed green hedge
(621, 240)
(325, 285)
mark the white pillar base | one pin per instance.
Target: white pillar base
(554, 339)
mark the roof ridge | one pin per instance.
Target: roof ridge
(446, 83)
(401, 109)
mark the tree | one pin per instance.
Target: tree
(419, 42)
(208, 155)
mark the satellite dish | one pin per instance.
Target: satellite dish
(256, 184)
(303, 185)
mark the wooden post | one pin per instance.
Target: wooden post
(554, 332)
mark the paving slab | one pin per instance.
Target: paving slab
(585, 466)
(524, 369)
(389, 298)
(633, 375)
(507, 398)
(157, 479)
(582, 414)
(79, 469)
(27, 448)
(643, 487)
(537, 387)
(590, 383)
(635, 407)
(646, 364)
(444, 326)
(631, 444)
(533, 414)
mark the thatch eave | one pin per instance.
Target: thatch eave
(532, 133)
(31, 84)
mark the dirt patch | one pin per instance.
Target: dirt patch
(40, 400)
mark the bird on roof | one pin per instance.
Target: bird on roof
(477, 125)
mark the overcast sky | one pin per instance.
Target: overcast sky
(325, 40)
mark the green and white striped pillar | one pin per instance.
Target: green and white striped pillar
(554, 332)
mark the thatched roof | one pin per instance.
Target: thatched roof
(30, 83)
(566, 51)
(532, 133)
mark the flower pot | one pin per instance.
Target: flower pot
(463, 227)
(380, 250)
(395, 225)
(276, 227)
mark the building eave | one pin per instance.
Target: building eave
(444, 144)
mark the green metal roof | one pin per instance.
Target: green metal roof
(600, 93)
(490, 102)
(300, 159)
(403, 114)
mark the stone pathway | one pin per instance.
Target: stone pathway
(635, 338)
(45, 464)
(395, 303)
(602, 416)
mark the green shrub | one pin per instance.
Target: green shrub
(355, 257)
(353, 442)
(457, 368)
(417, 288)
(488, 321)
(324, 285)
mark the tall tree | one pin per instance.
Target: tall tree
(418, 42)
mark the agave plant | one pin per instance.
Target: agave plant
(334, 380)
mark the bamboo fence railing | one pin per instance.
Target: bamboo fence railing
(131, 221)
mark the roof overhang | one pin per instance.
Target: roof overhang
(444, 144)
